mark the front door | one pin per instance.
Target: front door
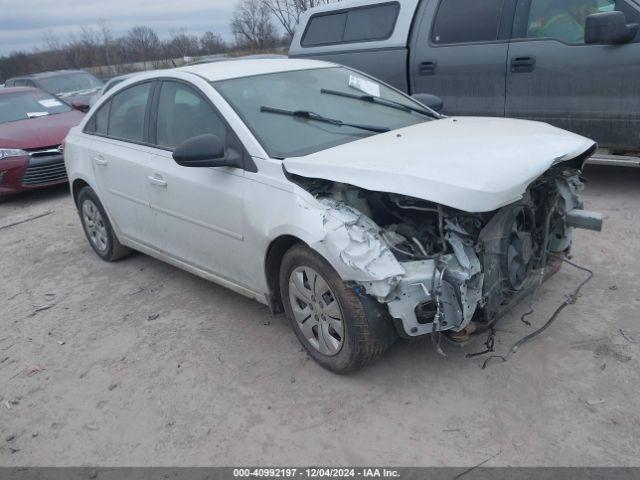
(460, 54)
(199, 211)
(554, 77)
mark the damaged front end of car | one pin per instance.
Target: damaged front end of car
(440, 269)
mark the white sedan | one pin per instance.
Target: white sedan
(326, 194)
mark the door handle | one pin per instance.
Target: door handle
(427, 68)
(100, 161)
(157, 180)
(523, 64)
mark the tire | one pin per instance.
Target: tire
(364, 331)
(97, 227)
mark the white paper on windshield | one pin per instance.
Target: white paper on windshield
(49, 103)
(364, 85)
(37, 114)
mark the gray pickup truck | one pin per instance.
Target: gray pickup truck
(572, 63)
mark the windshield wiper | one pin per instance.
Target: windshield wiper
(304, 114)
(381, 101)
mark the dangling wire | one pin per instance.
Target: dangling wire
(570, 300)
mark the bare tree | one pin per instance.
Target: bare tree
(143, 43)
(212, 43)
(252, 26)
(107, 40)
(182, 44)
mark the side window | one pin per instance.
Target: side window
(375, 23)
(325, 29)
(360, 24)
(467, 21)
(183, 114)
(21, 82)
(99, 122)
(563, 20)
(126, 116)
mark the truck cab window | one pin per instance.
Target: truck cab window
(563, 20)
(467, 21)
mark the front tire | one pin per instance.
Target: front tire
(97, 227)
(340, 330)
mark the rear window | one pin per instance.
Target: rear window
(467, 21)
(66, 84)
(362, 24)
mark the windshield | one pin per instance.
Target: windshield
(288, 135)
(70, 83)
(29, 104)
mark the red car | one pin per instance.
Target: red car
(33, 125)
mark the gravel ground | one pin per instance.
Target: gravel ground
(138, 363)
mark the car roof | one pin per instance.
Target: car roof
(248, 68)
(17, 90)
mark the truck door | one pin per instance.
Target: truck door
(459, 52)
(554, 77)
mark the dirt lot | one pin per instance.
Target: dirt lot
(147, 365)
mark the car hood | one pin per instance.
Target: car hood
(468, 163)
(38, 132)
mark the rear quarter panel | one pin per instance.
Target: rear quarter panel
(77, 157)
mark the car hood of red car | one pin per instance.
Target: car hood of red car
(38, 132)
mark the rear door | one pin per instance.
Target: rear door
(119, 158)
(199, 211)
(460, 53)
(554, 77)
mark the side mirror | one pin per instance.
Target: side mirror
(432, 101)
(80, 106)
(205, 151)
(609, 28)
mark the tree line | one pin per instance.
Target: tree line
(257, 26)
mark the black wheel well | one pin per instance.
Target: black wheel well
(77, 186)
(273, 261)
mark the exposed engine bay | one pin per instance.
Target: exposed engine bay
(451, 270)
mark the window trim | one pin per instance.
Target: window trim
(506, 4)
(145, 127)
(347, 11)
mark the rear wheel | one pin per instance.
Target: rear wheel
(97, 227)
(341, 330)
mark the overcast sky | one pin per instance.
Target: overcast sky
(23, 23)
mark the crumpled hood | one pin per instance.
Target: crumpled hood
(468, 163)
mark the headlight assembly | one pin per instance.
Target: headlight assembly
(12, 152)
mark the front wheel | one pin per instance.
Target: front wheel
(341, 330)
(97, 227)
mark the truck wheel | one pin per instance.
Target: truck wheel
(341, 330)
(97, 227)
